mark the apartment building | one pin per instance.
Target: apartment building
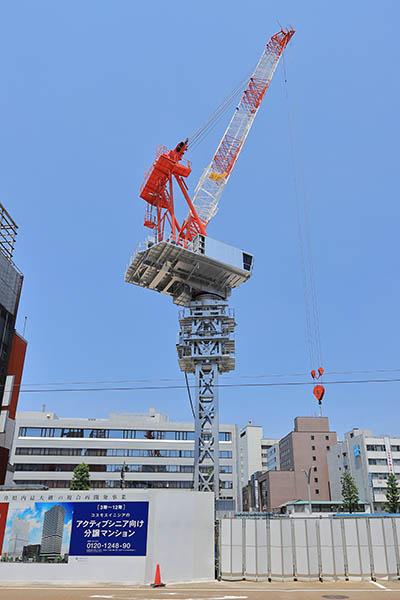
(307, 446)
(369, 458)
(253, 448)
(154, 452)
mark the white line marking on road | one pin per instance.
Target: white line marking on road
(194, 590)
(228, 598)
(380, 586)
(96, 596)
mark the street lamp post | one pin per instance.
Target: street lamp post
(122, 483)
(308, 477)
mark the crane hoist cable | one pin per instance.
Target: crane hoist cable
(306, 260)
(202, 132)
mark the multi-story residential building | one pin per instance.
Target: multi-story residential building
(154, 452)
(307, 446)
(12, 345)
(52, 533)
(253, 448)
(369, 458)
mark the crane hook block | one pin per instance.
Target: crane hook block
(320, 373)
(319, 392)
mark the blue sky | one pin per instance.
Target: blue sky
(87, 91)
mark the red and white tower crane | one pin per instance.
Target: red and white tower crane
(181, 261)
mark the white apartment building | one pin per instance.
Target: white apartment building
(156, 453)
(370, 459)
(253, 448)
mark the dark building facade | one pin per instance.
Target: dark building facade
(12, 345)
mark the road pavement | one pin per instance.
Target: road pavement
(244, 590)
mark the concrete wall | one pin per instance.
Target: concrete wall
(310, 548)
(180, 538)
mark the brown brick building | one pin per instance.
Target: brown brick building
(304, 447)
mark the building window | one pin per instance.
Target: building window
(315, 469)
(315, 479)
(314, 458)
(328, 448)
(225, 454)
(312, 447)
(312, 437)
(376, 447)
(317, 491)
(327, 437)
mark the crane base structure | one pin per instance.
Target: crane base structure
(199, 278)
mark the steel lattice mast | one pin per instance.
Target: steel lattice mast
(198, 272)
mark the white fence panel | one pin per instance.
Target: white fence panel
(363, 547)
(276, 549)
(378, 547)
(390, 547)
(287, 548)
(251, 548)
(237, 547)
(326, 548)
(310, 548)
(313, 550)
(301, 549)
(262, 547)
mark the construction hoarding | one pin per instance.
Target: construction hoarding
(105, 536)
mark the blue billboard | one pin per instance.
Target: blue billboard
(109, 528)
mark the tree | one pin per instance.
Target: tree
(80, 479)
(349, 493)
(392, 494)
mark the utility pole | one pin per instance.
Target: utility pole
(308, 477)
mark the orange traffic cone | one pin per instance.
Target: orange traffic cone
(157, 578)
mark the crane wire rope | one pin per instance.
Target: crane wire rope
(305, 247)
(205, 129)
(189, 394)
(299, 225)
(309, 254)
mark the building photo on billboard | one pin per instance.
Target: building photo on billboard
(49, 532)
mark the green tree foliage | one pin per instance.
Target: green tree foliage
(80, 479)
(392, 494)
(349, 493)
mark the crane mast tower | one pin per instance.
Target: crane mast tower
(198, 272)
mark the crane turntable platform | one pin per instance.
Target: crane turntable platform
(206, 266)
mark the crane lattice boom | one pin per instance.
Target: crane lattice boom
(216, 175)
(157, 189)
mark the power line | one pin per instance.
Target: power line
(221, 385)
(171, 379)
